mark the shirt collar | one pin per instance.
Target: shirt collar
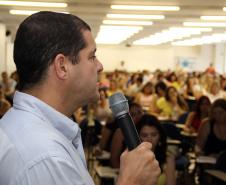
(59, 121)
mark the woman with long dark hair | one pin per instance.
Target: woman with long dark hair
(211, 138)
(200, 113)
(150, 130)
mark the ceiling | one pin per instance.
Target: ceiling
(94, 12)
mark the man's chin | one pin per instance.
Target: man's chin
(95, 98)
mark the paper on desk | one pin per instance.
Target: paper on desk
(206, 159)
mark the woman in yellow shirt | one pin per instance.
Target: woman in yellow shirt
(172, 105)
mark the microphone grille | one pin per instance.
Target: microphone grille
(118, 104)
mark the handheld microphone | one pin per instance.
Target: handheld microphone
(120, 109)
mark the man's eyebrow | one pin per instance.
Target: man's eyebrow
(93, 52)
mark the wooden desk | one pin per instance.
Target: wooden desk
(218, 174)
(206, 160)
(104, 156)
(187, 134)
(180, 126)
(106, 172)
(173, 142)
(163, 118)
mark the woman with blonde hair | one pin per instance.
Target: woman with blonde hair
(147, 98)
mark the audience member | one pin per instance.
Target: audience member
(134, 88)
(201, 112)
(78, 116)
(107, 133)
(113, 88)
(147, 98)
(211, 138)
(215, 92)
(192, 88)
(160, 89)
(101, 109)
(8, 84)
(150, 130)
(172, 105)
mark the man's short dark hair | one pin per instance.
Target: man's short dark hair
(39, 39)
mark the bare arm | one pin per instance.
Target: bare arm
(202, 137)
(170, 170)
(153, 106)
(188, 122)
(116, 148)
(105, 133)
(137, 98)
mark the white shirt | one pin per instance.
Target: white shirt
(40, 146)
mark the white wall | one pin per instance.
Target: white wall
(9, 58)
(2, 48)
(206, 56)
(150, 58)
(139, 58)
(220, 58)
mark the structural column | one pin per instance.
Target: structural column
(206, 57)
(219, 62)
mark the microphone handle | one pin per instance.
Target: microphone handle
(129, 131)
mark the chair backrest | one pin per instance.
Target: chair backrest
(191, 104)
(221, 162)
(172, 131)
(182, 118)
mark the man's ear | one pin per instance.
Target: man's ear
(61, 66)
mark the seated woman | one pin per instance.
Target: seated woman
(211, 138)
(113, 88)
(160, 89)
(147, 98)
(102, 111)
(107, 133)
(195, 117)
(192, 88)
(150, 130)
(215, 92)
(172, 105)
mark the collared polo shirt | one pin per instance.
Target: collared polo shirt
(40, 146)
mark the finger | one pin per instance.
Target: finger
(145, 145)
(124, 153)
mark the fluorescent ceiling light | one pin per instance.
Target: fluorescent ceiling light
(25, 12)
(135, 16)
(173, 33)
(214, 38)
(22, 12)
(205, 24)
(220, 18)
(192, 29)
(143, 23)
(31, 3)
(115, 34)
(190, 42)
(138, 7)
